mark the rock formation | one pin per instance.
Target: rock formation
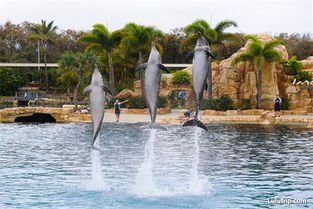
(239, 82)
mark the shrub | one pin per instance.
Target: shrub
(209, 104)
(222, 104)
(292, 66)
(136, 103)
(246, 104)
(301, 76)
(225, 103)
(181, 77)
(162, 101)
(284, 104)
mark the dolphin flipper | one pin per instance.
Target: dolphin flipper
(87, 89)
(142, 66)
(209, 54)
(106, 89)
(190, 56)
(162, 67)
(195, 122)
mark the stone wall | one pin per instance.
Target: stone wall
(61, 115)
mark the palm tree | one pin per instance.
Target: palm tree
(139, 38)
(259, 53)
(102, 42)
(44, 33)
(215, 36)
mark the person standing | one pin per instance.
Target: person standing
(117, 109)
(277, 103)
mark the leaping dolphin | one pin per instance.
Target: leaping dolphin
(201, 65)
(96, 91)
(152, 82)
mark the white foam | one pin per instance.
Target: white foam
(97, 181)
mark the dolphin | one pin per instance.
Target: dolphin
(152, 82)
(201, 56)
(97, 91)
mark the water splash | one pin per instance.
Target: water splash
(196, 184)
(144, 180)
(97, 181)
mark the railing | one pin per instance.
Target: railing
(169, 65)
(26, 96)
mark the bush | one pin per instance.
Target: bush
(162, 101)
(181, 77)
(11, 80)
(136, 103)
(284, 104)
(209, 104)
(292, 66)
(222, 104)
(246, 104)
(301, 76)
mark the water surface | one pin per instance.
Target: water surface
(231, 166)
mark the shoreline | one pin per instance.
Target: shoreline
(175, 117)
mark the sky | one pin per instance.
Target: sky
(252, 16)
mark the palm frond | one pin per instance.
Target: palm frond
(271, 55)
(243, 57)
(253, 38)
(229, 37)
(197, 26)
(255, 49)
(211, 35)
(221, 26)
(272, 44)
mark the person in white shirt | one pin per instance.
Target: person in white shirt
(277, 103)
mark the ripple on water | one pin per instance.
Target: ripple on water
(239, 166)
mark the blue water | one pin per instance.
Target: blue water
(231, 166)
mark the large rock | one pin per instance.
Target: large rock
(239, 81)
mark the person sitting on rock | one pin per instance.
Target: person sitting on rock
(277, 103)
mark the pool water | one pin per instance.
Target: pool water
(230, 166)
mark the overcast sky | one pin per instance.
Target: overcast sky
(252, 16)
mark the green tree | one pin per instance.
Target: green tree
(139, 38)
(103, 43)
(258, 53)
(45, 33)
(74, 69)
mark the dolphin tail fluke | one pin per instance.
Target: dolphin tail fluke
(153, 126)
(195, 122)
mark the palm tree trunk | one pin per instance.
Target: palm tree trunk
(142, 75)
(210, 84)
(75, 96)
(111, 74)
(46, 71)
(259, 96)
